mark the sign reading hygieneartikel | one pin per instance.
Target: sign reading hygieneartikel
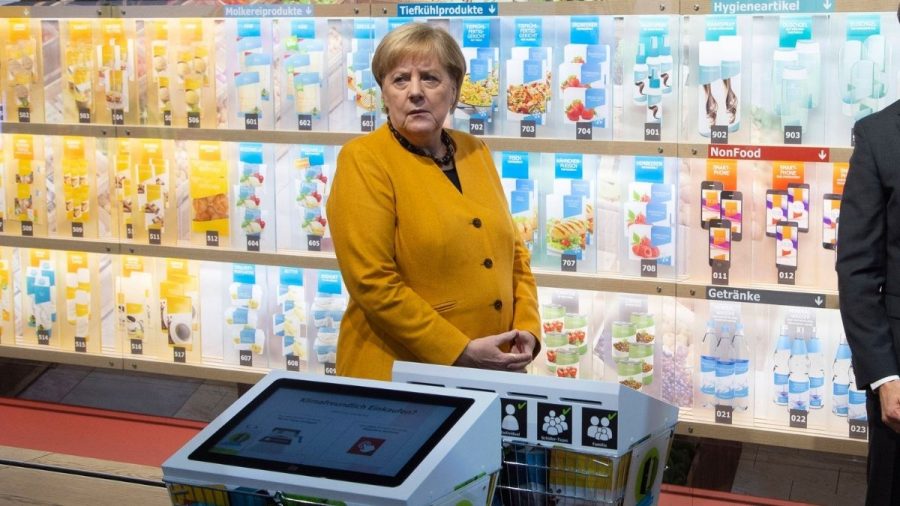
(442, 9)
(772, 6)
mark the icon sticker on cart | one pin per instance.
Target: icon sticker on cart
(514, 418)
(554, 422)
(598, 428)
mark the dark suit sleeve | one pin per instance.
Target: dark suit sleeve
(861, 261)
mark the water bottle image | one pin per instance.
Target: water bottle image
(724, 368)
(840, 383)
(856, 400)
(741, 369)
(816, 371)
(798, 380)
(708, 366)
(781, 371)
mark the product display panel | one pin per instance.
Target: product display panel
(359, 434)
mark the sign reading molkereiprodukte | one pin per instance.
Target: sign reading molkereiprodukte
(772, 6)
(268, 11)
(440, 10)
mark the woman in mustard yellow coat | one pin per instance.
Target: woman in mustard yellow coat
(428, 250)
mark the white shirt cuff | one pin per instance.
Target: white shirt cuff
(875, 384)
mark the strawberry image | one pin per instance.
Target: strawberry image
(587, 114)
(574, 110)
(571, 82)
(322, 177)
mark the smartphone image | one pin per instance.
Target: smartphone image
(831, 211)
(719, 243)
(786, 243)
(732, 210)
(776, 209)
(710, 202)
(798, 205)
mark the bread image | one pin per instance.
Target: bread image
(566, 235)
(572, 227)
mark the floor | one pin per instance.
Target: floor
(762, 471)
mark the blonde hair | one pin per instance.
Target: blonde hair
(419, 40)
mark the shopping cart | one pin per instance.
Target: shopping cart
(568, 442)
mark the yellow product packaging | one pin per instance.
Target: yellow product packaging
(180, 321)
(193, 94)
(21, 62)
(5, 277)
(124, 182)
(159, 48)
(209, 191)
(114, 51)
(78, 292)
(79, 66)
(192, 43)
(584, 478)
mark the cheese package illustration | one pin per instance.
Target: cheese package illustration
(242, 320)
(252, 77)
(251, 201)
(303, 79)
(289, 322)
(362, 90)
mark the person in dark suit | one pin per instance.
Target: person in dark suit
(868, 268)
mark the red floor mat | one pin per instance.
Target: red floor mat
(96, 433)
(149, 440)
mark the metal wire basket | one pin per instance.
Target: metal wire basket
(539, 476)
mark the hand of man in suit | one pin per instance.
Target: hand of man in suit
(487, 353)
(889, 395)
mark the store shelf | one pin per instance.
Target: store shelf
(601, 7)
(58, 129)
(63, 10)
(774, 436)
(58, 356)
(218, 10)
(761, 294)
(304, 259)
(606, 283)
(548, 145)
(199, 371)
(772, 152)
(63, 244)
(705, 7)
(614, 147)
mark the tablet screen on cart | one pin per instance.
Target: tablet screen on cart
(341, 432)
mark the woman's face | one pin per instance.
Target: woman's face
(418, 94)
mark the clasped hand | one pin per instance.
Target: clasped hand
(487, 352)
(889, 395)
